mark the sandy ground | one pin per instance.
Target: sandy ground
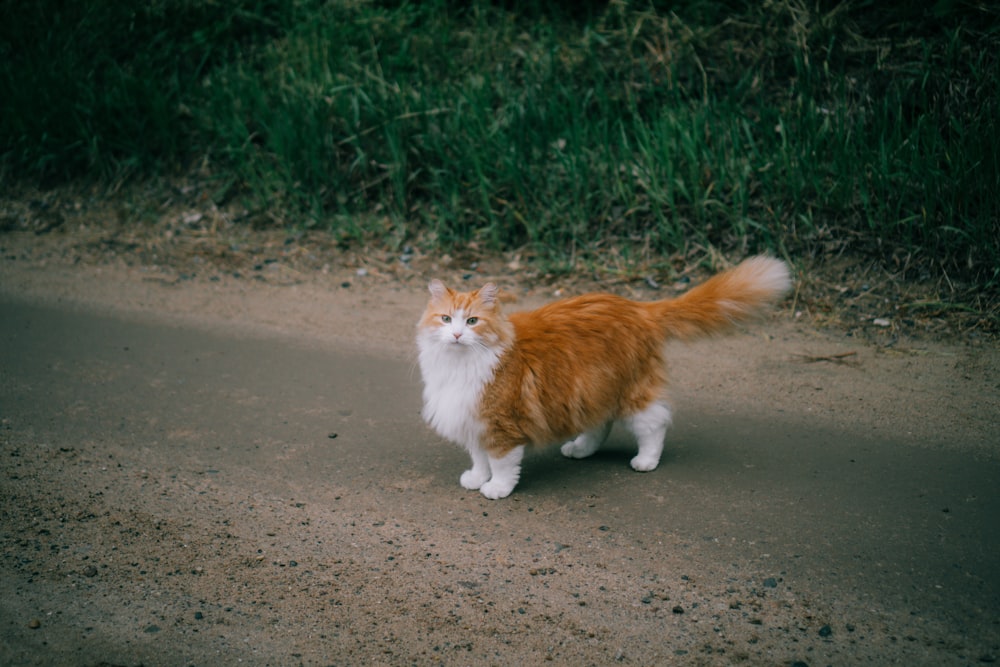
(224, 471)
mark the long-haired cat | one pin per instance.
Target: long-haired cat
(568, 370)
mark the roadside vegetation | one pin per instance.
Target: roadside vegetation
(571, 131)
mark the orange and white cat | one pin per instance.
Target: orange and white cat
(568, 370)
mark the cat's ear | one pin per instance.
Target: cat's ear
(437, 289)
(488, 294)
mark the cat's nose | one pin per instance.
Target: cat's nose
(457, 335)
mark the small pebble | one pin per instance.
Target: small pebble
(678, 609)
(34, 624)
(198, 616)
(825, 631)
(770, 582)
(90, 571)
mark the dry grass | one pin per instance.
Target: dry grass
(183, 236)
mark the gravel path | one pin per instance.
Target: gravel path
(209, 475)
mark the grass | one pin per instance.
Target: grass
(781, 125)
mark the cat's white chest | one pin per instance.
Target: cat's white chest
(454, 379)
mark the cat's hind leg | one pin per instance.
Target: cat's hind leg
(586, 443)
(479, 473)
(650, 428)
(506, 471)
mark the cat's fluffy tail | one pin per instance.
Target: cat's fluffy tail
(724, 300)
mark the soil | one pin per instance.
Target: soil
(211, 453)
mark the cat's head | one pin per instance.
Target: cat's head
(464, 320)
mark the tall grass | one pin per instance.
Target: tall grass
(787, 125)
(105, 86)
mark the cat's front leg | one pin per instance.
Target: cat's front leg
(506, 471)
(479, 474)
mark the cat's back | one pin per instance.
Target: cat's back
(582, 321)
(585, 354)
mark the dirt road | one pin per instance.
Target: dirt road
(227, 473)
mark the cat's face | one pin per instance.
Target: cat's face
(462, 320)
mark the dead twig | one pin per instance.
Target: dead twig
(844, 358)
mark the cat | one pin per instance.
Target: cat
(567, 371)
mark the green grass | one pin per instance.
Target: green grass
(784, 125)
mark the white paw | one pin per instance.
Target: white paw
(495, 490)
(644, 463)
(580, 448)
(473, 479)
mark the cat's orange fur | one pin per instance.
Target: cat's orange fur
(575, 365)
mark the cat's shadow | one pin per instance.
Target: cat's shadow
(547, 468)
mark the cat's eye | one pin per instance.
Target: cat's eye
(446, 319)
(472, 321)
